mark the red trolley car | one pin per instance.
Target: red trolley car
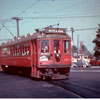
(46, 53)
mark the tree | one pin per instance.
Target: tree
(97, 44)
(85, 51)
(74, 50)
(84, 48)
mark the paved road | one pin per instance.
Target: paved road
(88, 78)
(15, 86)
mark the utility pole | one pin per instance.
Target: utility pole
(72, 30)
(81, 43)
(77, 47)
(17, 21)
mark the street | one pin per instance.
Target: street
(82, 83)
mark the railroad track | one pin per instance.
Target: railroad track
(80, 91)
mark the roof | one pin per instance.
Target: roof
(59, 33)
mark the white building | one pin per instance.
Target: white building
(81, 57)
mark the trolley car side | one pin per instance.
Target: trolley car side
(45, 53)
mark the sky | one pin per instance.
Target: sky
(79, 14)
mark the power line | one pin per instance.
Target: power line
(8, 30)
(4, 39)
(57, 24)
(73, 30)
(61, 17)
(70, 4)
(5, 20)
(85, 29)
(28, 7)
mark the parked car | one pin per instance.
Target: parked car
(94, 62)
(83, 64)
(74, 64)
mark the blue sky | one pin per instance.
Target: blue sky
(51, 8)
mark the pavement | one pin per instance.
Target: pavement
(17, 86)
(88, 69)
(95, 66)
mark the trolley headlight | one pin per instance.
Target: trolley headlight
(57, 56)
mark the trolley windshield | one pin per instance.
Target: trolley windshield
(44, 46)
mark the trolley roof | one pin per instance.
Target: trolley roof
(56, 33)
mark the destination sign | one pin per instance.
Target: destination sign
(55, 30)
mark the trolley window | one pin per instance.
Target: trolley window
(44, 46)
(56, 46)
(66, 46)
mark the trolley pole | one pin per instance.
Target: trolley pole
(17, 21)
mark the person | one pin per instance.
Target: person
(44, 47)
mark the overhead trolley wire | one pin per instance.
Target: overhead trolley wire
(62, 17)
(84, 29)
(8, 30)
(29, 7)
(4, 39)
(67, 31)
